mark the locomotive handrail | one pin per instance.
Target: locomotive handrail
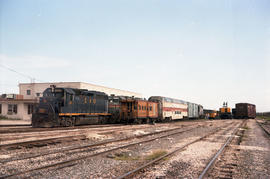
(52, 110)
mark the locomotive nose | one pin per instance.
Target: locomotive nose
(43, 116)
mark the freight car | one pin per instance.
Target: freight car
(201, 113)
(169, 108)
(245, 111)
(193, 110)
(69, 107)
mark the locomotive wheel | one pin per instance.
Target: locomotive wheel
(69, 122)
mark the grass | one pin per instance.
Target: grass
(156, 154)
(125, 156)
(6, 118)
(264, 117)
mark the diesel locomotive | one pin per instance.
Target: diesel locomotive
(69, 107)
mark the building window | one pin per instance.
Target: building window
(30, 108)
(38, 94)
(15, 108)
(28, 92)
(12, 108)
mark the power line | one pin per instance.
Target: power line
(19, 73)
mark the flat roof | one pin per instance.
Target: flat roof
(82, 83)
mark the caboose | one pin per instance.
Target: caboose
(132, 110)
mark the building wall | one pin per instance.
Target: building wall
(40, 87)
(109, 91)
(22, 110)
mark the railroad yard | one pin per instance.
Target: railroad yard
(182, 149)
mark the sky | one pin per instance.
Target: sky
(203, 51)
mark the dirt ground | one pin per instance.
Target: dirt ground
(15, 122)
(255, 153)
(249, 159)
(251, 155)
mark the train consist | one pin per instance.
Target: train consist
(241, 111)
(69, 107)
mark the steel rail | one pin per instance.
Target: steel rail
(95, 154)
(228, 141)
(89, 145)
(2, 146)
(266, 131)
(30, 129)
(132, 172)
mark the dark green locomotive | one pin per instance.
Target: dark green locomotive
(69, 107)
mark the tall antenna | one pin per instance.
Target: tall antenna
(32, 80)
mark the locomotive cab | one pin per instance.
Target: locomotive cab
(46, 113)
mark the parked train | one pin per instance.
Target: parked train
(241, 111)
(244, 111)
(69, 107)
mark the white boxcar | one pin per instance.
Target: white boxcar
(201, 115)
(169, 108)
(194, 110)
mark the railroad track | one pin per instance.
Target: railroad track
(263, 128)
(147, 165)
(40, 143)
(90, 145)
(74, 161)
(22, 129)
(26, 143)
(225, 170)
(30, 129)
(35, 134)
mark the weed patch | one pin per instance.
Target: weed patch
(156, 154)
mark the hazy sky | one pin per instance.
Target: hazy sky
(203, 51)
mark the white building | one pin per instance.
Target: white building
(29, 94)
(17, 108)
(35, 90)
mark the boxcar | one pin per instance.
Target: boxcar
(245, 111)
(201, 113)
(169, 108)
(193, 110)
